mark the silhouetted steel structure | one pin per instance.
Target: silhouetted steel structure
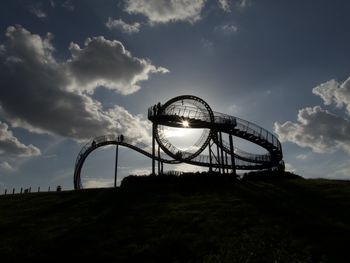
(189, 111)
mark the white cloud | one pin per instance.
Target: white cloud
(302, 156)
(290, 168)
(341, 171)
(317, 128)
(243, 3)
(44, 96)
(68, 5)
(184, 167)
(207, 44)
(123, 26)
(163, 11)
(38, 11)
(144, 171)
(227, 29)
(5, 166)
(98, 183)
(333, 92)
(233, 109)
(107, 63)
(10, 145)
(182, 134)
(225, 5)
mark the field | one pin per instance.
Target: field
(173, 220)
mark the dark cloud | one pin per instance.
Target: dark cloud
(318, 128)
(41, 95)
(10, 145)
(163, 11)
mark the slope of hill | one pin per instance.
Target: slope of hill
(289, 220)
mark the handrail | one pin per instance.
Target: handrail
(200, 160)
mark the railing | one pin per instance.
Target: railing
(146, 149)
(259, 132)
(219, 118)
(185, 111)
(206, 159)
(246, 128)
(202, 160)
(28, 190)
(245, 155)
(250, 128)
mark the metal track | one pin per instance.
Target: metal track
(198, 114)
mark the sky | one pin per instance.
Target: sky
(72, 70)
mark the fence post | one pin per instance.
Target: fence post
(21, 190)
(13, 191)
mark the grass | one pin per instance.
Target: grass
(182, 220)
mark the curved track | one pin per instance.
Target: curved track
(185, 109)
(192, 112)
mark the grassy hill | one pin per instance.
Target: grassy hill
(182, 220)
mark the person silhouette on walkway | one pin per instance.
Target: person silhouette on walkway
(179, 154)
(121, 138)
(158, 108)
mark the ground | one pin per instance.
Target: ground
(172, 220)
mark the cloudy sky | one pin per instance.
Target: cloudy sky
(72, 70)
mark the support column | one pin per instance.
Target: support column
(153, 151)
(232, 151)
(226, 163)
(222, 153)
(159, 171)
(116, 166)
(210, 158)
(218, 153)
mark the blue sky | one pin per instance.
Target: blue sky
(72, 70)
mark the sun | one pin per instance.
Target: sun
(185, 124)
(182, 138)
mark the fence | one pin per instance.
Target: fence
(28, 190)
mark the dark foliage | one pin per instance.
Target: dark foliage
(176, 178)
(270, 175)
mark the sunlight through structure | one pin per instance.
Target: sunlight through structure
(210, 144)
(185, 124)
